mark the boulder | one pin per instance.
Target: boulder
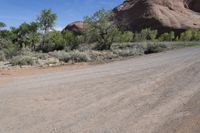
(75, 27)
(164, 15)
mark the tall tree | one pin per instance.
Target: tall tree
(98, 27)
(26, 34)
(33, 34)
(46, 21)
(2, 25)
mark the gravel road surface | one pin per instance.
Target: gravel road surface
(158, 93)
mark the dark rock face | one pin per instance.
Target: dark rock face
(163, 15)
(75, 27)
(194, 5)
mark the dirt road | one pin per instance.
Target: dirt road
(158, 93)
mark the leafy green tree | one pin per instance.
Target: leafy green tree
(126, 36)
(167, 36)
(190, 35)
(71, 41)
(7, 34)
(46, 21)
(55, 41)
(8, 49)
(22, 35)
(186, 36)
(152, 35)
(34, 36)
(2, 25)
(146, 35)
(195, 34)
(26, 35)
(98, 28)
(6, 38)
(14, 32)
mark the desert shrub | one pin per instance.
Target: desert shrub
(154, 48)
(22, 60)
(101, 56)
(47, 47)
(29, 52)
(2, 56)
(87, 46)
(42, 56)
(77, 56)
(10, 50)
(128, 49)
(74, 56)
(61, 55)
(25, 51)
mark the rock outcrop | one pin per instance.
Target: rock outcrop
(163, 15)
(75, 27)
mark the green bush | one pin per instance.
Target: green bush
(22, 60)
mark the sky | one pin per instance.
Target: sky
(15, 12)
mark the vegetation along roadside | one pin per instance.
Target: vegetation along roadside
(37, 43)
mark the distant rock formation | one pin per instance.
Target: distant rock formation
(163, 15)
(75, 27)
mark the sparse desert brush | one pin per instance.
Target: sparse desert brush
(101, 56)
(2, 56)
(22, 60)
(74, 56)
(61, 55)
(128, 49)
(155, 48)
(77, 56)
